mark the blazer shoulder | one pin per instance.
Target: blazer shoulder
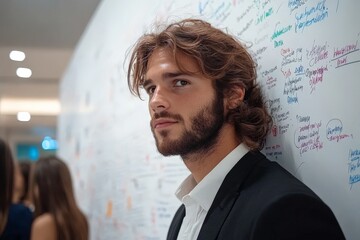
(273, 179)
(259, 199)
(300, 215)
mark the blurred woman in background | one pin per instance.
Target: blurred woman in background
(15, 219)
(57, 215)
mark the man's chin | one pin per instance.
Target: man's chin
(166, 148)
(167, 152)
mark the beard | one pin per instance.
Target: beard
(202, 136)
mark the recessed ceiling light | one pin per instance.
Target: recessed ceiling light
(23, 116)
(23, 72)
(17, 55)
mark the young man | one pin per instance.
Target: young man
(206, 107)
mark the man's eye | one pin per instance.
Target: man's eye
(180, 83)
(150, 90)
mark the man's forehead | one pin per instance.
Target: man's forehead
(178, 62)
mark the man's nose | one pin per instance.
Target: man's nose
(159, 100)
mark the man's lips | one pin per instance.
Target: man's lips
(162, 122)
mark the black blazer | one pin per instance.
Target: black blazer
(261, 200)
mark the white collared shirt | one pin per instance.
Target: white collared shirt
(198, 198)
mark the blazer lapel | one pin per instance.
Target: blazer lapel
(226, 196)
(176, 223)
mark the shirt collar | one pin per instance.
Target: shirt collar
(204, 192)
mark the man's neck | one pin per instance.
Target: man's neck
(201, 163)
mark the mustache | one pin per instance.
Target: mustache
(165, 114)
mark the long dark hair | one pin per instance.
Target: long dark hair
(53, 193)
(221, 57)
(25, 168)
(6, 182)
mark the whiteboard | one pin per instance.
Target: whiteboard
(308, 66)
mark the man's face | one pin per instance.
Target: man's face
(186, 114)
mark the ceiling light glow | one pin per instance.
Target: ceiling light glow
(23, 72)
(38, 107)
(17, 55)
(23, 116)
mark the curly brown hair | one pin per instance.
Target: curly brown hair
(221, 57)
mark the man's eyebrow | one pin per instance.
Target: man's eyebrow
(172, 74)
(164, 76)
(146, 82)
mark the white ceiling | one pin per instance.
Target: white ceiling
(47, 31)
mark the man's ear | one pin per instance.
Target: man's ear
(235, 97)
